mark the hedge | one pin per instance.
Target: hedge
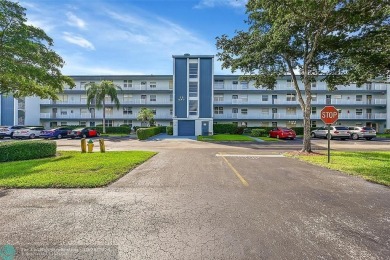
(123, 129)
(170, 130)
(259, 132)
(145, 133)
(26, 150)
(228, 129)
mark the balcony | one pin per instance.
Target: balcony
(364, 116)
(67, 116)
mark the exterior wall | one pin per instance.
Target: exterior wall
(7, 110)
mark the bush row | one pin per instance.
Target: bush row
(123, 129)
(26, 150)
(170, 130)
(228, 129)
(145, 133)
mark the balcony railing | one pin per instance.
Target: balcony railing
(262, 116)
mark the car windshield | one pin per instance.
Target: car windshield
(368, 128)
(341, 128)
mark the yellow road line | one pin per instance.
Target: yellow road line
(243, 181)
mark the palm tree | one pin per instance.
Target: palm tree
(146, 115)
(98, 93)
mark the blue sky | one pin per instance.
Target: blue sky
(127, 37)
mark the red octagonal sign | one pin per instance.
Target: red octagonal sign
(329, 115)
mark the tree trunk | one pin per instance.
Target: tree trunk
(104, 117)
(306, 130)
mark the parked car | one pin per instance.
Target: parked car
(56, 133)
(8, 131)
(336, 132)
(28, 132)
(362, 132)
(283, 133)
(84, 132)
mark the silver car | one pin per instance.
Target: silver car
(336, 132)
(362, 132)
(8, 131)
(28, 132)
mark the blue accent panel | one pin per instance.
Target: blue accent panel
(180, 88)
(7, 110)
(205, 87)
(186, 127)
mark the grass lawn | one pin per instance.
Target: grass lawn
(226, 137)
(372, 166)
(269, 139)
(71, 169)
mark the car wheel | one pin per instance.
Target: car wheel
(32, 136)
(313, 135)
(355, 136)
(327, 137)
(59, 136)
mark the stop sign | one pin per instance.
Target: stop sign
(329, 115)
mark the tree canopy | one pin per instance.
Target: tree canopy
(346, 41)
(146, 115)
(28, 65)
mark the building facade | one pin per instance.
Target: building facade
(193, 99)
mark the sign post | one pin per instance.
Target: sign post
(329, 115)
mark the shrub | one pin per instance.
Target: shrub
(387, 131)
(170, 130)
(239, 130)
(145, 133)
(225, 128)
(26, 150)
(258, 132)
(115, 129)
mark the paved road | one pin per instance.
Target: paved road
(204, 201)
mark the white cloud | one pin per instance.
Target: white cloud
(75, 21)
(214, 3)
(78, 40)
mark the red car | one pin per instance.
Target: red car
(283, 133)
(84, 132)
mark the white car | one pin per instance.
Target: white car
(28, 132)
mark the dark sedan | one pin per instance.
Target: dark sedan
(59, 133)
(85, 132)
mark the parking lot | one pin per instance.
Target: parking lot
(197, 200)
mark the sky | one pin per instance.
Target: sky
(134, 37)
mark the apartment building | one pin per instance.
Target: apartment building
(193, 99)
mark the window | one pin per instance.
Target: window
(82, 123)
(264, 97)
(218, 110)
(109, 110)
(128, 122)
(193, 89)
(235, 82)
(154, 111)
(82, 84)
(359, 111)
(193, 69)
(218, 84)
(64, 112)
(291, 110)
(153, 98)
(218, 97)
(274, 124)
(109, 122)
(265, 111)
(127, 98)
(313, 110)
(193, 107)
(234, 96)
(127, 83)
(143, 84)
(291, 97)
(359, 97)
(337, 96)
(244, 84)
(170, 84)
(244, 111)
(171, 111)
(289, 83)
(127, 110)
(313, 97)
(314, 84)
(152, 84)
(92, 124)
(64, 123)
(313, 123)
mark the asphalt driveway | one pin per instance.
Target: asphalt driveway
(204, 201)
